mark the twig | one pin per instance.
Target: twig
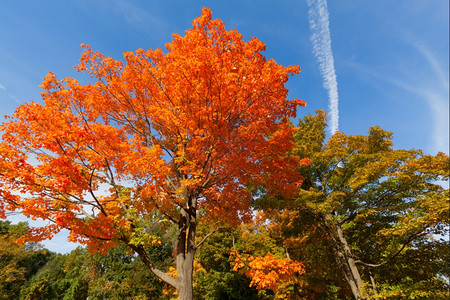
(204, 239)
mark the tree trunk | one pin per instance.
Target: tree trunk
(374, 286)
(343, 265)
(185, 289)
(346, 263)
(350, 261)
(186, 251)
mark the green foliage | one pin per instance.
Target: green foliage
(31, 272)
(388, 202)
(78, 275)
(216, 279)
(214, 276)
(18, 263)
(60, 278)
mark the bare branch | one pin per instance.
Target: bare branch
(420, 233)
(93, 195)
(144, 256)
(204, 239)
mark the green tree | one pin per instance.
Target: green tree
(379, 213)
(116, 275)
(18, 262)
(244, 263)
(58, 279)
(215, 278)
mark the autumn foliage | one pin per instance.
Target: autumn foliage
(371, 220)
(155, 137)
(267, 272)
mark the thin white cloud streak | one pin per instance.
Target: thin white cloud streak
(436, 93)
(432, 86)
(438, 105)
(428, 88)
(321, 40)
(436, 65)
(138, 17)
(3, 88)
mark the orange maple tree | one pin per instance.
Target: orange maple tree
(159, 136)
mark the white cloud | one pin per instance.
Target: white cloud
(436, 65)
(437, 101)
(321, 39)
(3, 88)
(139, 18)
(14, 98)
(432, 87)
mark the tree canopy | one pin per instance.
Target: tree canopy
(158, 137)
(18, 262)
(380, 215)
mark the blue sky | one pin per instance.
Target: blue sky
(391, 58)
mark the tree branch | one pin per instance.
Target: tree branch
(93, 195)
(144, 256)
(393, 256)
(204, 239)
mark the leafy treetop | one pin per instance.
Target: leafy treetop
(160, 136)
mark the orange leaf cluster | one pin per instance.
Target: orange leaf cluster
(200, 121)
(268, 272)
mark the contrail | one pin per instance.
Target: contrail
(320, 37)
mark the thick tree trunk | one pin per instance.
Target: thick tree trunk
(185, 289)
(343, 265)
(346, 263)
(350, 261)
(186, 251)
